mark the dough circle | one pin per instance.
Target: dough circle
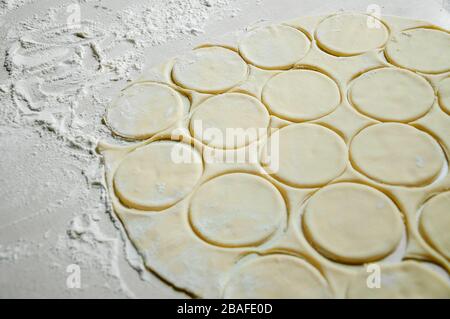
(158, 175)
(210, 70)
(397, 154)
(274, 47)
(352, 223)
(236, 210)
(143, 110)
(405, 280)
(301, 95)
(239, 118)
(390, 94)
(305, 155)
(351, 34)
(435, 223)
(276, 276)
(444, 95)
(420, 50)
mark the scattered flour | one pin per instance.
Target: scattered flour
(89, 247)
(19, 249)
(57, 80)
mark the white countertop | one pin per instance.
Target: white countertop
(52, 205)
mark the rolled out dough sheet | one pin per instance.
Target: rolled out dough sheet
(347, 166)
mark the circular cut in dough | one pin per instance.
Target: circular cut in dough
(143, 110)
(420, 50)
(390, 94)
(158, 175)
(435, 223)
(351, 34)
(210, 70)
(405, 280)
(444, 95)
(236, 210)
(305, 155)
(352, 223)
(301, 95)
(274, 47)
(397, 154)
(230, 120)
(276, 276)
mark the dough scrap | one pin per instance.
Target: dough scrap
(301, 95)
(277, 276)
(408, 279)
(420, 50)
(320, 157)
(391, 94)
(143, 110)
(351, 34)
(397, 154)
(352, 223)
(435, 223)
(154, 177)
(216, 228)
(228, 114)
(444, 95)
(210, 70)
(274, 47)
(237, 210)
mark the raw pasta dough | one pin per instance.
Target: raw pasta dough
(210, 70)
(349, 162)
(233, 112)
(277, 276)
(330, 220)
(407, 279)
(420, 50)
(144, 109)
(319, 158)
(389, 94)
(149, 178)
(397, 154)
(237, 210)
(350, 34)
(301, 95)
(435, 223)
(274, 47)
(444, 95)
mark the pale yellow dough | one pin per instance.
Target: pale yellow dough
(274, 47)
(217, 121)
(444, 95)
(144, 109)
(301, 95)
(342, 162)
(155, 177)
(277, 276)
(435, 223)
(350, 34)
(421, 50)
(306, 155)
(210, 70)
(390, 94)
(397, 154)
(366, 228)
(408, 279)
(237, 210)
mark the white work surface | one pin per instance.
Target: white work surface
(54, 87)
